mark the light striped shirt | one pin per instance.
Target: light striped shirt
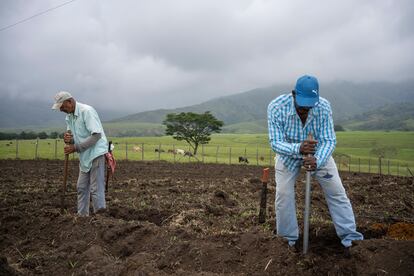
(286, 132)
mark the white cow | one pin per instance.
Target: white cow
(136, 148)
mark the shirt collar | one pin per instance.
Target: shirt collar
(76, 112)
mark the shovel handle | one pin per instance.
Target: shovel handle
(65, 177)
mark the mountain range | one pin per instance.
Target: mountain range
(370, 106)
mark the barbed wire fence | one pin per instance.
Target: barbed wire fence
(210, 153)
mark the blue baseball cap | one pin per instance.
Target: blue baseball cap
(307, 91)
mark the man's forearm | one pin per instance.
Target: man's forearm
(88, 142)
(291, 149)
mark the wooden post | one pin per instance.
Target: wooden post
(217, 154)
(174, 152)
(379, 166)
(398, 169)
(230, 156)
(349, 164)
(263, 196)
(142, 151)
(369, 165)
(189, 155)
(202, 152)
(159, 152)
(126, 150)
(17, 149)
(359, 165)
(257, 155)
(37, 147)
(55, 148)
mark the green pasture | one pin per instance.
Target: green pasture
(355, 151)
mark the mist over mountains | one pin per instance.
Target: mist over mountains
(370, 106)
(349, 102)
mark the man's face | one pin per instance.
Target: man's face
(68, 106)
(301, 110)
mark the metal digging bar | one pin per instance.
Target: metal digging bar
(307, 208)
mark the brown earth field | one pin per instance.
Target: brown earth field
(193, 219)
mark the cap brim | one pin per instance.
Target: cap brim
(56, 106)
(306, 102)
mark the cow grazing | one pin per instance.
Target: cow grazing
(136, 148)
(172, 151)
(188, 153)
(180, 151)
(243, 159)
(159, 150)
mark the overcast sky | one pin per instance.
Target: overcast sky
(140, 55)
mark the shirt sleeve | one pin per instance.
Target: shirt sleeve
(92, 122)
(88, 142)
(277, 136)
(326, 140)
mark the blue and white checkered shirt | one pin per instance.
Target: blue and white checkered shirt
(286, 132)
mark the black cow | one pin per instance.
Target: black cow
(243, 160)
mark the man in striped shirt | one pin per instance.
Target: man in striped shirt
(291, 118)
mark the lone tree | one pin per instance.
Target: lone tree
(191, 127)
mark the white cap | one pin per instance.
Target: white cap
(60, 98)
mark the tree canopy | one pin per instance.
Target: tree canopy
(191, 127)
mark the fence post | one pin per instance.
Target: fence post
(257, 155)
(398, 169)
(379, 166)
(217, 154)
(174, 153)
(159, 152)
(55, 149)
(37, 147)
(230, 156)
(142, 151)
(369, 165)
(202, 152)
(126, 150)
(189, 154)
(349, 165)
(17, 149)
(359, 165)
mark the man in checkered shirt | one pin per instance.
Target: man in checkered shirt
(291, 118)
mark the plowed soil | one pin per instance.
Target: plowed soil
(193, 219)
